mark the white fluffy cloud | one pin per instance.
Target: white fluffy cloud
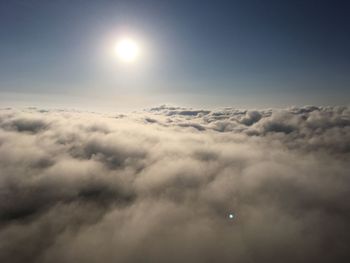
(157, 185)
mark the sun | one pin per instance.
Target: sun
(127, 50)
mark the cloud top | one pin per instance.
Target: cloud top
(158, 185)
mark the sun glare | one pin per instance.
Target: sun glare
(127, 50)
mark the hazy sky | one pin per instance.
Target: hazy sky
(201, 53)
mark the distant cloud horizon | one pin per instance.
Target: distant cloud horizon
(136, 102)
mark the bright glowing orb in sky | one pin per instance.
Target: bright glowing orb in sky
(127, 50)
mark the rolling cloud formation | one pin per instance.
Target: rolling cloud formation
(157, 185)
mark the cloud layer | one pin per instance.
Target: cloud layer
(158, 185)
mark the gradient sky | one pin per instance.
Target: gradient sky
(202, 53)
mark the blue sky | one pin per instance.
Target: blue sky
(202, 53)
